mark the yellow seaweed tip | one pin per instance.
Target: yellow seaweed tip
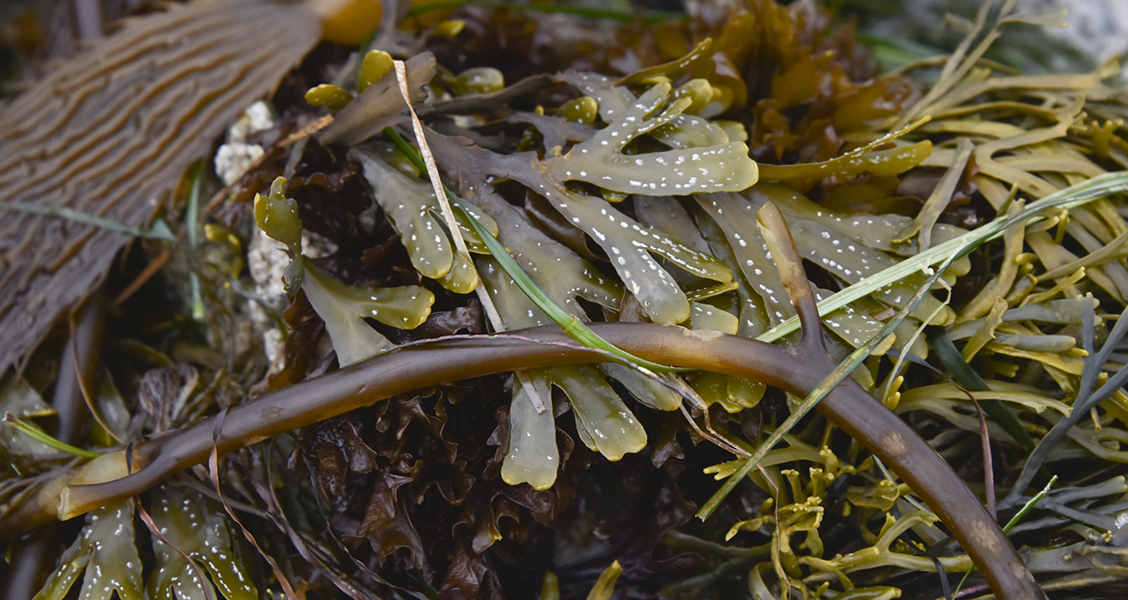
(450, 28)
(329, 96)
(375, 65)
(348, 22)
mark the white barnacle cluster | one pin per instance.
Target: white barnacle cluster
(237, 154)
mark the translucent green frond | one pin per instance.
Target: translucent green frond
(106, 553)
(197, 527)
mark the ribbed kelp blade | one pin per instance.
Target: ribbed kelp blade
(110, 133)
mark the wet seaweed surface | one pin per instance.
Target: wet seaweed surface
(297, 391)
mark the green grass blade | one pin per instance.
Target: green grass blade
(193, 218)
(1073, 196)
(1017, 518)
(42, 437)
(158, 231)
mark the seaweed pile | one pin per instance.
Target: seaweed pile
(631, 166)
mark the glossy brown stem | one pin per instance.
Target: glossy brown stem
(410, 368)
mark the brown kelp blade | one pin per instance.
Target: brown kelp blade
(109, 134)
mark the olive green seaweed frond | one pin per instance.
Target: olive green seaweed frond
(343, 307)
(106, 552)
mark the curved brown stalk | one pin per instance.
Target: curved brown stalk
(402, 370)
